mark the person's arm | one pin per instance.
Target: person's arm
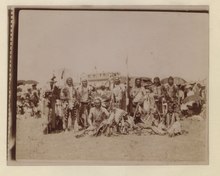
(177, 117)
(167, 119)
(162, 90)
(111, 118)
(106, 113)
(78, 94)
(179, 97)
(112, 96)
(131, 93)
(143, 91)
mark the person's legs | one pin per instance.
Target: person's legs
(73, 117)
(83, 113)
(65, 118)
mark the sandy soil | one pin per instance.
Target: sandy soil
(32, 144)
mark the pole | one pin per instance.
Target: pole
(127, 88)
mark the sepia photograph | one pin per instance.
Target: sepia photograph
(109, 86)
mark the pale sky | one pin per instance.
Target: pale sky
(156, 43)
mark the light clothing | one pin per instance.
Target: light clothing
(175, 128)
(118, 92)
(190, 93)
(157, 90)
(138, 94)
(181, 94)
(84, 94)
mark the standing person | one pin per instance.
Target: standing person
(35, 95)
(52, 94)
(118, 93)
(69, 104)
(170, 91)
(28, 102)
(149, 105)
(157, 88)
(157, 91)
(35, 100)
(84, 95)
(137, 95)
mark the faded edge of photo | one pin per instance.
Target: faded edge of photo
(13, 21)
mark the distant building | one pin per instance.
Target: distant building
(104, 78)
(107, 78)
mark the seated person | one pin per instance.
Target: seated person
(172, 122)
(97, 115)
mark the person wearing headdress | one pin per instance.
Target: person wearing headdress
(69, 104)
(118, 94)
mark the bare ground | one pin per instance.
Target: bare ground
(191, 148)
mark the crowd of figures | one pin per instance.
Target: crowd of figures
(153, 108)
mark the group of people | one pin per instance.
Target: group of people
(121, 109)
(28, 101)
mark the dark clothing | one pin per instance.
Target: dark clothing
(83, 114)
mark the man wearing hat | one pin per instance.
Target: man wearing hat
(52, 95)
